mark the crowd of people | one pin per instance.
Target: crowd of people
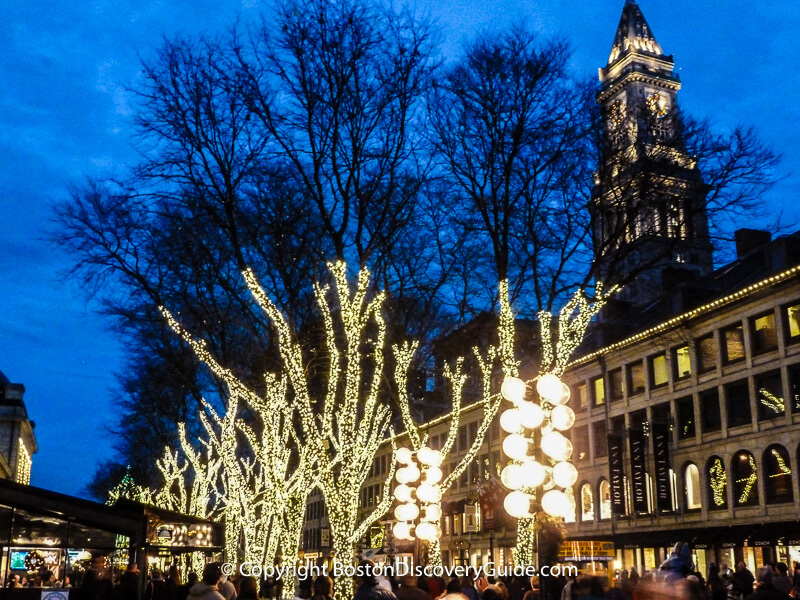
(675, 579)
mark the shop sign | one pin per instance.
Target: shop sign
(661, 458)
(587, 551)
(728, 545)
(616, 474)
(324, 537)
(470, 517)
(638, 443)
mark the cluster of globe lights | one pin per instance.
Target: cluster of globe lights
(427, 493)
(526, 474)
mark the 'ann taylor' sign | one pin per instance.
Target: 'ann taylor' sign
(638, 444)
(661, 459)
(616, 474)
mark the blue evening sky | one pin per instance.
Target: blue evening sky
(64, 114)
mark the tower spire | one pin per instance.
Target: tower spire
(633, 35)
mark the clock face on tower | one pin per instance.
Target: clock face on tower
(657, 104)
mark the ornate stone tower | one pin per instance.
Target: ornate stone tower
(648, 206)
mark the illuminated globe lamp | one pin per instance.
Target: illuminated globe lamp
(533, 473)
(429, 493)
(556, 446)
(516, 446)
(402, 531)
(404, 493)
(562, 417)
(556, 503)
(518, 504)
(511, 476)
(404, 456)
(513, 389)
(565, 474)
(511, 420)
(531, 415)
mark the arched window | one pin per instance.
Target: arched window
(744, 474)
(570, 517)
(717, 484)
(605, 499)
(587, 503)
(778, 473)
(691, 487)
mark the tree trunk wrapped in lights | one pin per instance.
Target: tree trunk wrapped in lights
(343, 424)
(557, 346)
(264, 482)
(502, 354)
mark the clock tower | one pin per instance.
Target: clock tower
(650, 227)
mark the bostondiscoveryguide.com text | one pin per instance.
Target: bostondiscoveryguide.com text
(248, 569)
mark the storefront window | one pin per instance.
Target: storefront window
(691, 480)
(765, 336)
(706, 354)
(717, 484)
(658, 370)
(779, 474)
(605, 499)
(733, 338)
(745, 479)
(570, 517)
(587, 503)
(683, 364)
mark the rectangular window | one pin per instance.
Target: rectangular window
(636, 382)
(737, 399)
(711, 419)
(600, 435)
(793, 318)
(599, 390)
(615, 384)
(463, 442)
(706, 354)
(658, 370)
(580, 443)
(683, 364)
(582, 397)
(473, 432)
(686, 427)
(733, 338)
(765, 336)
(769, 396)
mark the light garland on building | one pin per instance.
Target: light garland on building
(24, 464)
(771, 401)
(783, 470)
(675, 321)
(748, 481)
(718, 482)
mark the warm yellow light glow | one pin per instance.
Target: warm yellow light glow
(555, 503)
(516, 446)
(518, 504)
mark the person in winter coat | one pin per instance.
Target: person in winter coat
(368, 588)
(207, 588)
(765, 589)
